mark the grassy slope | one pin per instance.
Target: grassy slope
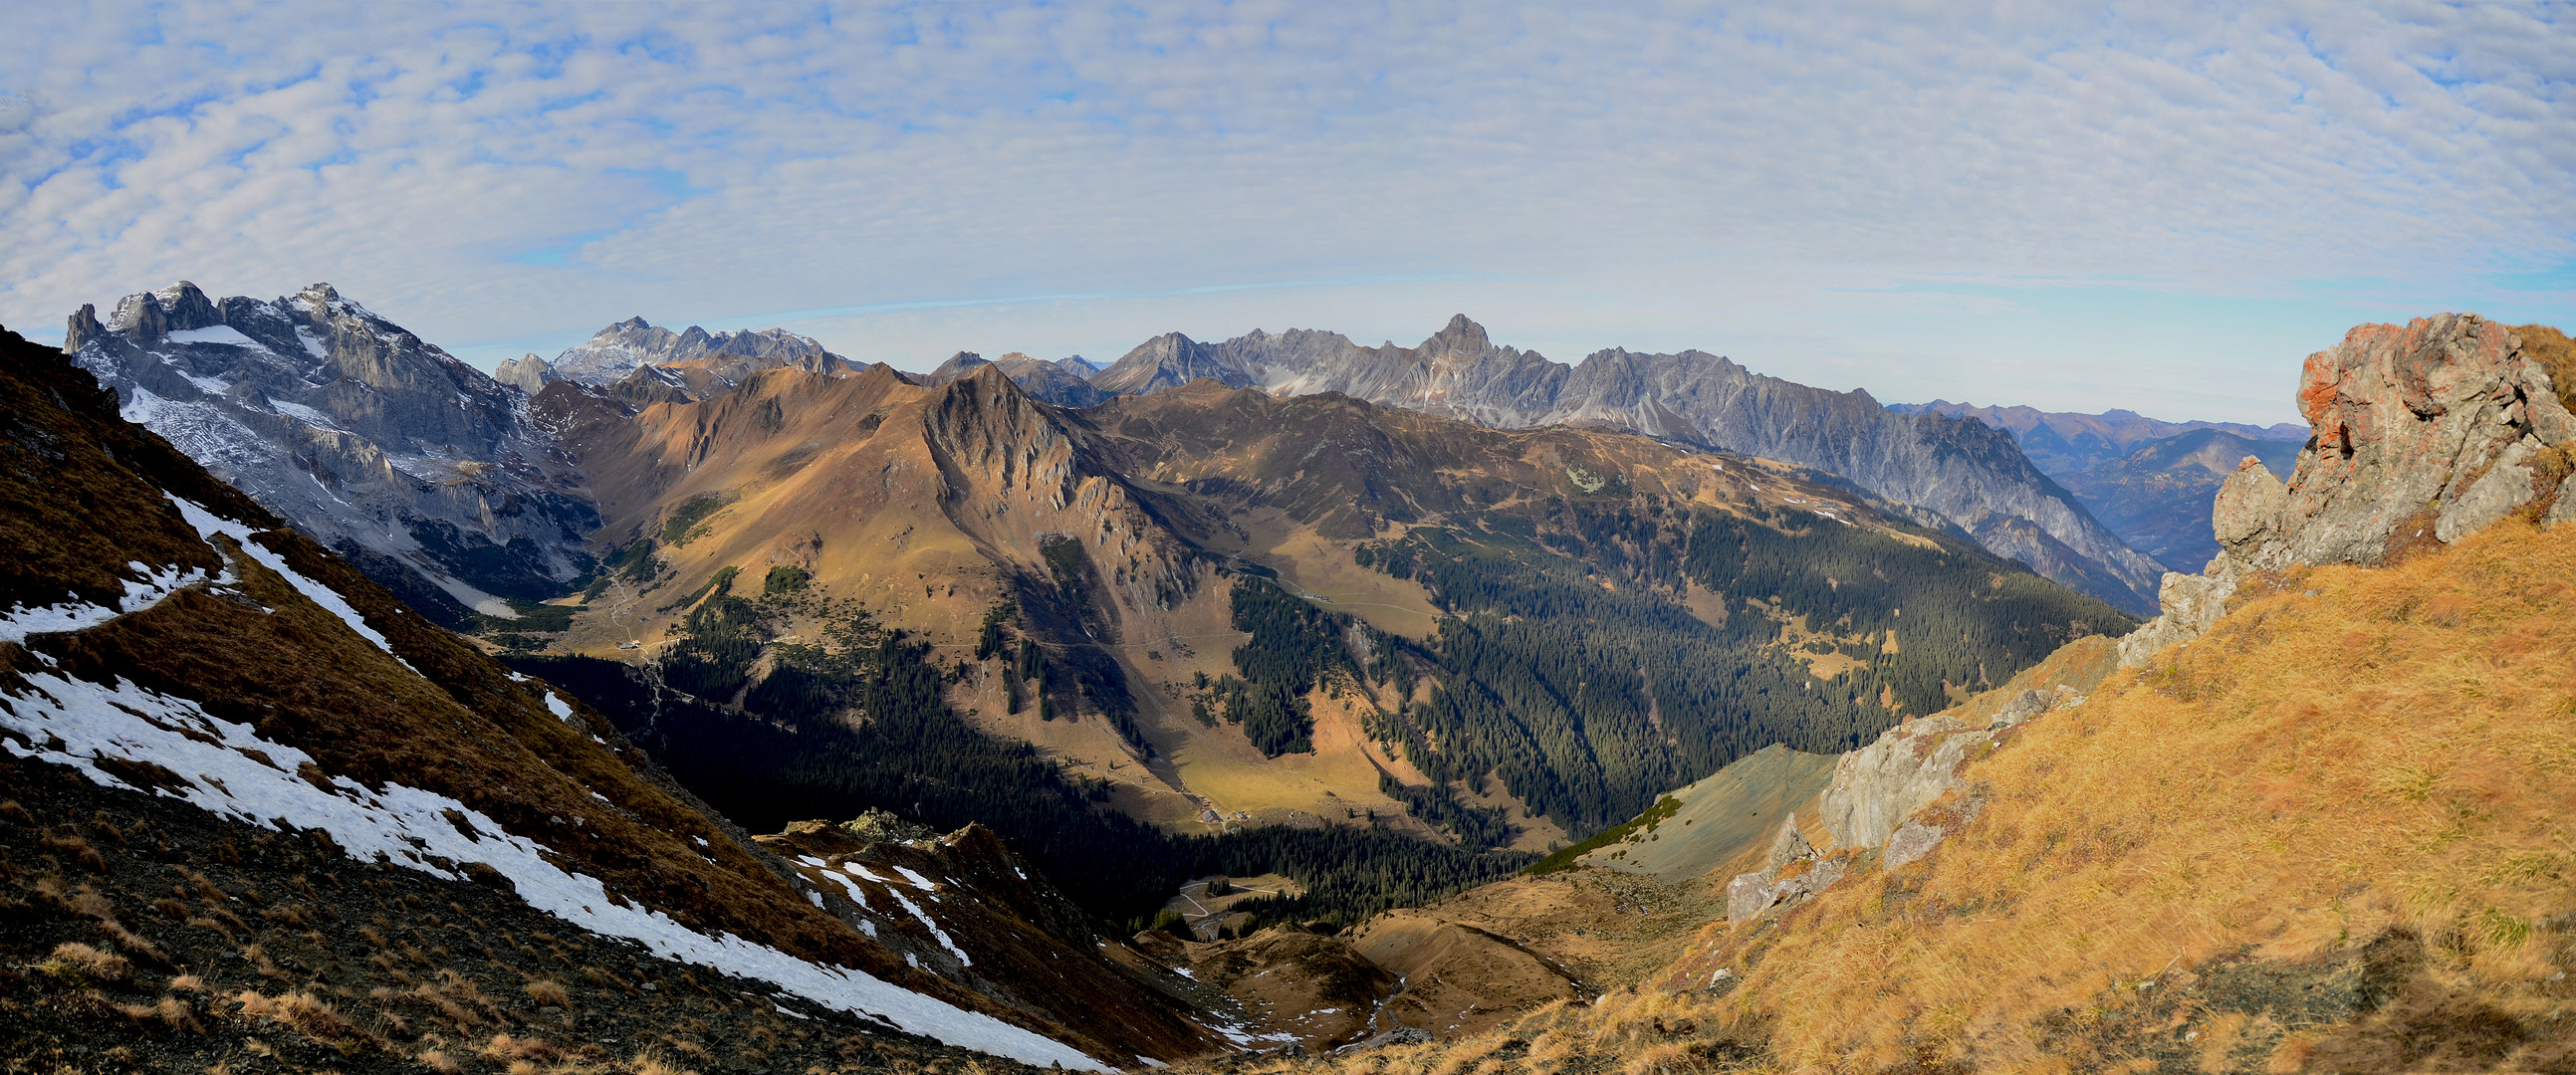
(2389, 759)
(2330, 836)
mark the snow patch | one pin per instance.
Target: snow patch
(557, 706)
(212, 386)
(935, 931)
(79, 724)
(156, 585)
(306, 415)
(223, 334)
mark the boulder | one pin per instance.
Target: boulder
(2249, 506)
(2191, 604)
(1788, 847)
(1749, 894)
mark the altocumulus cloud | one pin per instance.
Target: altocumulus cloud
(1638, 174)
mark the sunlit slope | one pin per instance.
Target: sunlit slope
(2359, 783)
(1515, 637)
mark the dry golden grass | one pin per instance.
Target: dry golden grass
(2395, 753)
(549, 992)
(2555, 353)
(2389, 760)
(305, 1013)
(79, 963)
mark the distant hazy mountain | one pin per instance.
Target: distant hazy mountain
(2158, 497)
(413, 464)
(1963, 470)
(617, 350)
(2151, 482)
(2062, 443)
(1061, 382)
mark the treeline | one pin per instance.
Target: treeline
(1571, 668)
(859, 722)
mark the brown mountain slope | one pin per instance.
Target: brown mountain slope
(1117, 540)
(301, 712)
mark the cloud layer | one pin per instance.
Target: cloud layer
(1894, 195)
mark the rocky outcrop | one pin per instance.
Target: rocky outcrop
(615, 351)
(1793, 871)
(1879, 792)
(422, 470)
(527, 373)
(2420, 434)
(1962, 469)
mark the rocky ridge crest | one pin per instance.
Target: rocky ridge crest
(374, 442)
(2420, 434)
(1962, 469)
(618, 350)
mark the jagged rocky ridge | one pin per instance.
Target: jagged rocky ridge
(417, 466)
(2420, 434)
(1061, 382)
(1964, 470)
(620, 349)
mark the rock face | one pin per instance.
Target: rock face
(1962, 469)
(1879, 790)
(1878, 786)
(527, 373)
(619, 349)
(2420, 433)
(413, 464)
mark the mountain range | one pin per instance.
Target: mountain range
(260, 814)
(2064, 442)
(2151, 482)
(1961, 470)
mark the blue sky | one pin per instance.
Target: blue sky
(2155, 206)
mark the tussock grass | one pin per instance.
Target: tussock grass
(79, 963)
(2555, 353)
(549, 992)
(303, 1012)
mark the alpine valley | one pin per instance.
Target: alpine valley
(709, 702)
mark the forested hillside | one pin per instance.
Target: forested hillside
(855, 720)
(1620, 617)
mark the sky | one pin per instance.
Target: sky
(2157, 206)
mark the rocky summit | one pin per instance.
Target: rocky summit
(1961, 470)
(620, 349)
(384, 447)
